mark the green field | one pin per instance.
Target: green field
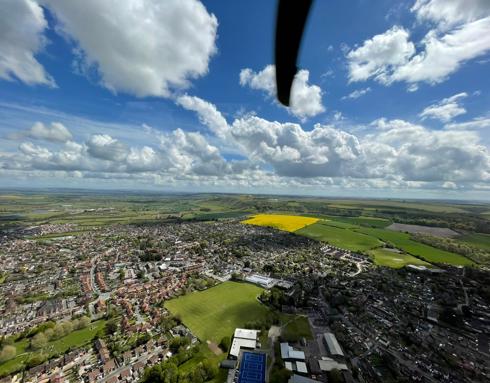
(216, 312)
(362, 221)
(436, 207)
(402, 241)
(384, 257)
(57, 347)
(476, 239)
(340, 237)
(296, 328)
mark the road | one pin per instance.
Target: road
(142, 358)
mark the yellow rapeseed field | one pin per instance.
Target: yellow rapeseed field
(282, 222)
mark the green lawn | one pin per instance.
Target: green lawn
(476, 239)
(344, 238)
(384, 257)
(402, 241)
(75, 339)
(216, 312)
(296, 328)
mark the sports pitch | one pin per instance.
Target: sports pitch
(216, 312)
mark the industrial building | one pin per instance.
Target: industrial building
(243, 339)
(260, 280)
(332, 344)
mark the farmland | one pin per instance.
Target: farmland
(477, 239)
(367, 234)
(435, 231)
(289, 223)
(340, 237)
(216, 312)
(395, 260)
(402, 241)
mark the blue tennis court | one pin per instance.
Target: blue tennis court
(252, 368)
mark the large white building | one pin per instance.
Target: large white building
(260, 280)
(243, 338)
(332, 344)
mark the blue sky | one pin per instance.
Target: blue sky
(392, 98)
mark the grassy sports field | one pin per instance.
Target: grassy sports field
(216, 312)
(289, 223)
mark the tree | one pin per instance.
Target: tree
(7, 353)
(225, 343)
(83, 322)
(67, 328)
(49, 333)
(210, 369)
(335, 376)
(279, 375)
(36, 359)
(39, 341)
(111, 326)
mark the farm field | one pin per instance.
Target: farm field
(476, 239)
(340, 237)
(216, 312)
(56, 347)
(403, 242)
(362, 221)
(289, 223)
(385, 257)
(429, 230)
(435, 207)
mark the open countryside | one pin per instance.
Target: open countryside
(358, 234)
(158, 263)
(289, 223)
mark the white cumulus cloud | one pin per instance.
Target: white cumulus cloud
(306, 99)
(378, 56)
(459, 33)
(22, 25)
(141, 47)
(207, 112)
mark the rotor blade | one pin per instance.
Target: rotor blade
(290, 23)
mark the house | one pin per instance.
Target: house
(109, 366)
(125, 374)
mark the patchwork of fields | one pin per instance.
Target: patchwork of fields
(364, 234)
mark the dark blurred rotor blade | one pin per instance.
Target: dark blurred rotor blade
(290, 23)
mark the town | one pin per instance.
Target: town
(110, 286)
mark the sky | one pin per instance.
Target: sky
(392, 99)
